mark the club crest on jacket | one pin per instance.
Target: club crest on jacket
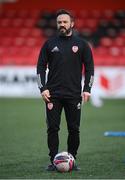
(75, 49)
(50, 106)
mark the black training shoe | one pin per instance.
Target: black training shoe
(76, 168)
(51, 167)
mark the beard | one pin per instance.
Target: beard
(63, 31)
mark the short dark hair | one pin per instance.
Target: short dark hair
(63, 11)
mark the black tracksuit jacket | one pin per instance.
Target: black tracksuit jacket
(65, 57)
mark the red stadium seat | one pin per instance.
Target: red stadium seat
(30, 42)
(106, 42)
(108, 14)
(79, 23)
(19, 41)
(17, 22)
(122, 51)
(6, 41)
(5, 22)
(101, 50)
(122, 33)
(29, 23)
(2, 31)
(115, 51)
(83, 14)
(96, 14)
(23, 14)
(11, 13)
(34, 14)
(37, 33)
(91, 23)
(8, 32)
(119, 41)
(121, 60)
(24, 32)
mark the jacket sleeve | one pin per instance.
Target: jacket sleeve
(89, 68)
(41, 68)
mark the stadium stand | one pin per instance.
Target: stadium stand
(23, 32)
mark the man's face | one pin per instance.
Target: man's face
(64, 24)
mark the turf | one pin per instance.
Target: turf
(23, 148)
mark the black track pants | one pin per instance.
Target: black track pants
(72, 108)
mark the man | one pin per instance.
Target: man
(64, 55)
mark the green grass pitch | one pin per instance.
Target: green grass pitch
(23, 147)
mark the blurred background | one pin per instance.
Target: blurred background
(24, 27)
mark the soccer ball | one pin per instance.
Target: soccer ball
(64, 162)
